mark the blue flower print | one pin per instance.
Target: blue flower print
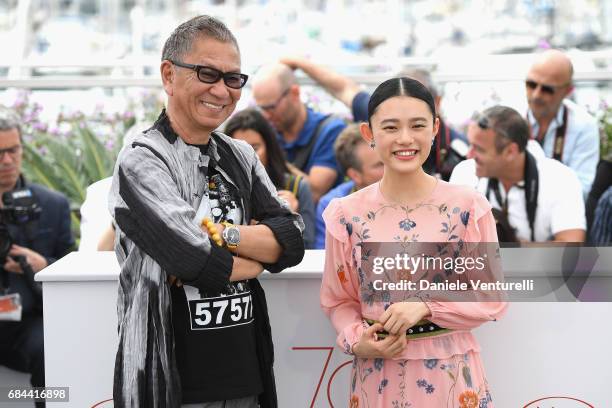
(431, 363)
(465, 216)
(429, 389)
(421, 383)
(349, 228)
(407, 224)
(378, 364)
(382, 385)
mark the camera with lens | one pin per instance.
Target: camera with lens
(20, 208)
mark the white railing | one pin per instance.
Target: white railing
(117, 72)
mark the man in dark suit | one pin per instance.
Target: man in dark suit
(36, 245)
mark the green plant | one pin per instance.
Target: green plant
(605, 125)
(74, 151)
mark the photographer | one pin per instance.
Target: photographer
(39, 230)
(534, 198)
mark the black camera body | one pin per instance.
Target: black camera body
(21, 208)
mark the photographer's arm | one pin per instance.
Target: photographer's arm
(339, 86)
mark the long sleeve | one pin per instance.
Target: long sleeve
(152, 213)
(307, 212)
(468, 315)
(340, 288)
(585, 155)
(320, 224)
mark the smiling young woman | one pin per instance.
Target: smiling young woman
(443, 369)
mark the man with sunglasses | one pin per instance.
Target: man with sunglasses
(38, 242)
(306, 136)
(566, 132)
(193, 324)
(534, 198)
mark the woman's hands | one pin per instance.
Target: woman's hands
(369, 346)
(401, 316)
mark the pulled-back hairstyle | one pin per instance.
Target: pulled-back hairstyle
(181, 40)
(251, 119)
(400, 87)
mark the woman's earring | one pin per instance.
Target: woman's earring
(433, 141)
(372, 143)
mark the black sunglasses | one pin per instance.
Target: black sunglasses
(210, 75)
(548, 89)
(484, 123)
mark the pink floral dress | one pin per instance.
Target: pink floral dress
(442, 370)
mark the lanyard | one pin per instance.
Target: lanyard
(531, 191)
(559, 137)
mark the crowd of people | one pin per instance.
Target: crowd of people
(195, 213)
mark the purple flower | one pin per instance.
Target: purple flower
(421, 383)
(41, 127)
(429, 389)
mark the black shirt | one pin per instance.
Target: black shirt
(214, 332)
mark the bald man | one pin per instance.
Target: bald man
(306, 136)
(566, 132)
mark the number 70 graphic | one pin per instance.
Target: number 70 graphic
(329, 350)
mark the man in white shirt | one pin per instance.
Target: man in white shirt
(518, 180)
(566, 131)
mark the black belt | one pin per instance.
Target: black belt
(423, 328)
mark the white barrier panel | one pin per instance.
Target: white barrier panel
(537, 351)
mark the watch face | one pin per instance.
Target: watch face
(233, 235)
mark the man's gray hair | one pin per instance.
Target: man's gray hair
(508, 125)
(9, 120)
(181, 40)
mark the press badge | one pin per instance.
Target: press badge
(218, 312)
(10, 307)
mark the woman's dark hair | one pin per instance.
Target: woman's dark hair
(400, 87)
(251, 119)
